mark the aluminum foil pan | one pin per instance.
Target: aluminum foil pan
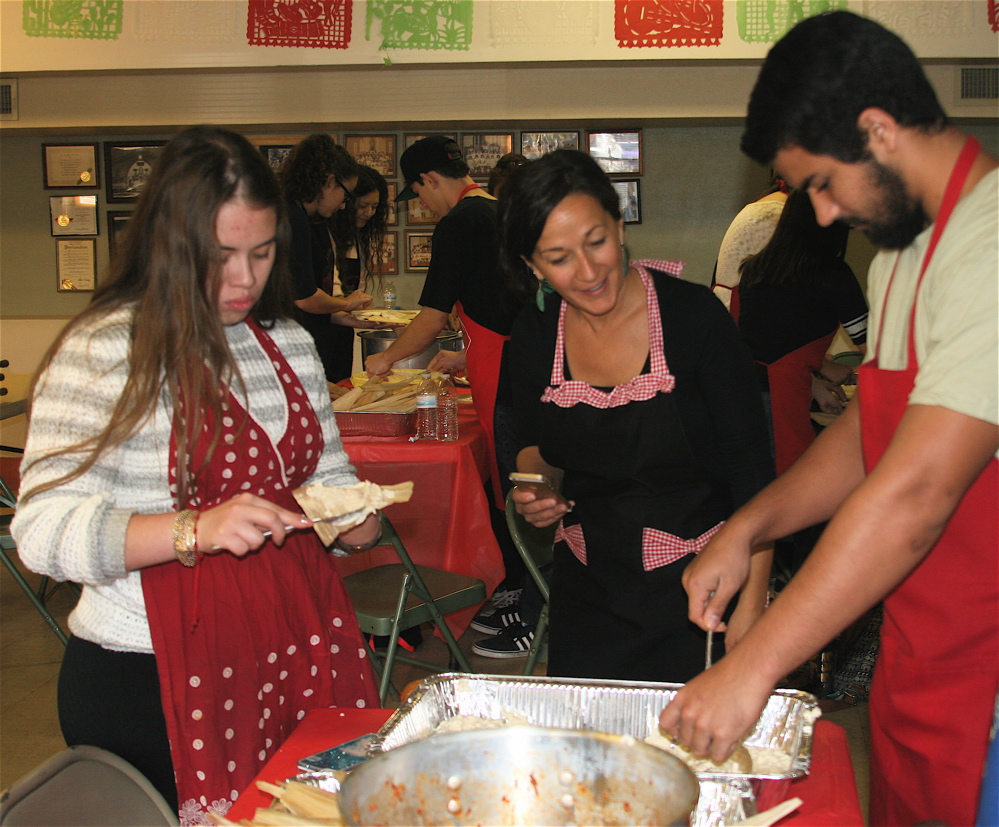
(375, 423)
(618, 707)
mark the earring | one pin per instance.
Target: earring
(539, 297)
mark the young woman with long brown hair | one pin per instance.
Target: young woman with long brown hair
(169, 424)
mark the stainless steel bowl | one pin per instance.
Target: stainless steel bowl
(521, 775)
(376, 341)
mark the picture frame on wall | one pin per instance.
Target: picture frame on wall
(393, 213)
(418, 249)
(388, 261)
(275, 153)
(127, 167)
(73, 215)
(630, 195)
(411, 138)
(375, 151)
(618, 153)
(535, 144)
(416, 213)
(482, 150)
(117, 221)
(76, 265)
(70, 166)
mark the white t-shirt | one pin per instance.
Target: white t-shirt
(957, 314)
(748, 233)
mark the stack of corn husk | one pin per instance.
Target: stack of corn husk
(376, 394)
(296, 803)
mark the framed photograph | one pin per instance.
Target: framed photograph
(127, 166)
(275, 153)
(418, 249)
(416, 213)
(393, 213)
(73, 215)
(70, 165)
(618, 153)
(376, 151)
(410, 138)
(629, 194)
(482, 151)
(535, 144)
(76, 264)
(117, 220)
(388, 261)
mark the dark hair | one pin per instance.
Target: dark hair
(169, 268)
(369, 239)
(458, 169)
(504, 168)
(528, 198)
(306, 169)
(821, 75)
(798, 250)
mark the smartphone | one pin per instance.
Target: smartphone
(539, 484)
(342, 757)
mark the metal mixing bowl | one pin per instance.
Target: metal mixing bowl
(521, 775)
(376, 341)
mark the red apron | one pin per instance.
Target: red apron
(483, 355)
(790, 380)
(937, 675)
(246, 646)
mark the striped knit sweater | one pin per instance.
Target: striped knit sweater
(77, 531)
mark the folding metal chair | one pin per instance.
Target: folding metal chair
(85, 786)
(391, 598)
(46, 586)
(535, 546)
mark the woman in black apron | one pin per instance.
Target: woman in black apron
(635, 395)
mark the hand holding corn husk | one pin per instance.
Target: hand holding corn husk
(323, 502)
(394, 394)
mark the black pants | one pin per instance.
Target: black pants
(111, 700)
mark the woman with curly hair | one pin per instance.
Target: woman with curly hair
(359, 232)
(318, 177)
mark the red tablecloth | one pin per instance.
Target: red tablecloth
(446, 523)
(828, 792)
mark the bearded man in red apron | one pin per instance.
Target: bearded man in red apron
(907, 475)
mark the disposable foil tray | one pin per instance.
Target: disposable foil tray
(375, 423)
(619, 707)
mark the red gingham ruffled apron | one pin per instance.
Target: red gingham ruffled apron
(245, 646)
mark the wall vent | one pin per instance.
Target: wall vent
(978, 85)
(8, 99)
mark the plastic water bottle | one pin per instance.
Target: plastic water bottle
(447, 408)
(426, 408)
(389, 297)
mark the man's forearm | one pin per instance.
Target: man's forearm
(417, 335)
(322, 303)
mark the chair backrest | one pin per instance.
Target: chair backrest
(86, 787)
(535, 545)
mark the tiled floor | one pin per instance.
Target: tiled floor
(29, 665)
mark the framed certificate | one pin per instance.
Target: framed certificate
(68, 166)
(76, 264)
(117, 221)
(73, 215)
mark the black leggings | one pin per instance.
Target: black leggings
(111, 700)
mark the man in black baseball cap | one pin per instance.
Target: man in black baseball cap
(463, 274)
(428, 154)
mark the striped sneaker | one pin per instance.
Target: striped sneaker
(513, 642)
(496, 623)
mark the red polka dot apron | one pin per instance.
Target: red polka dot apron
(938, 667)
(245, 646)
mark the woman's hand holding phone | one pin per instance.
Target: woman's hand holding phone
(537, 501)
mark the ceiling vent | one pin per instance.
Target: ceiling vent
(978, 85)
(8, 99)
